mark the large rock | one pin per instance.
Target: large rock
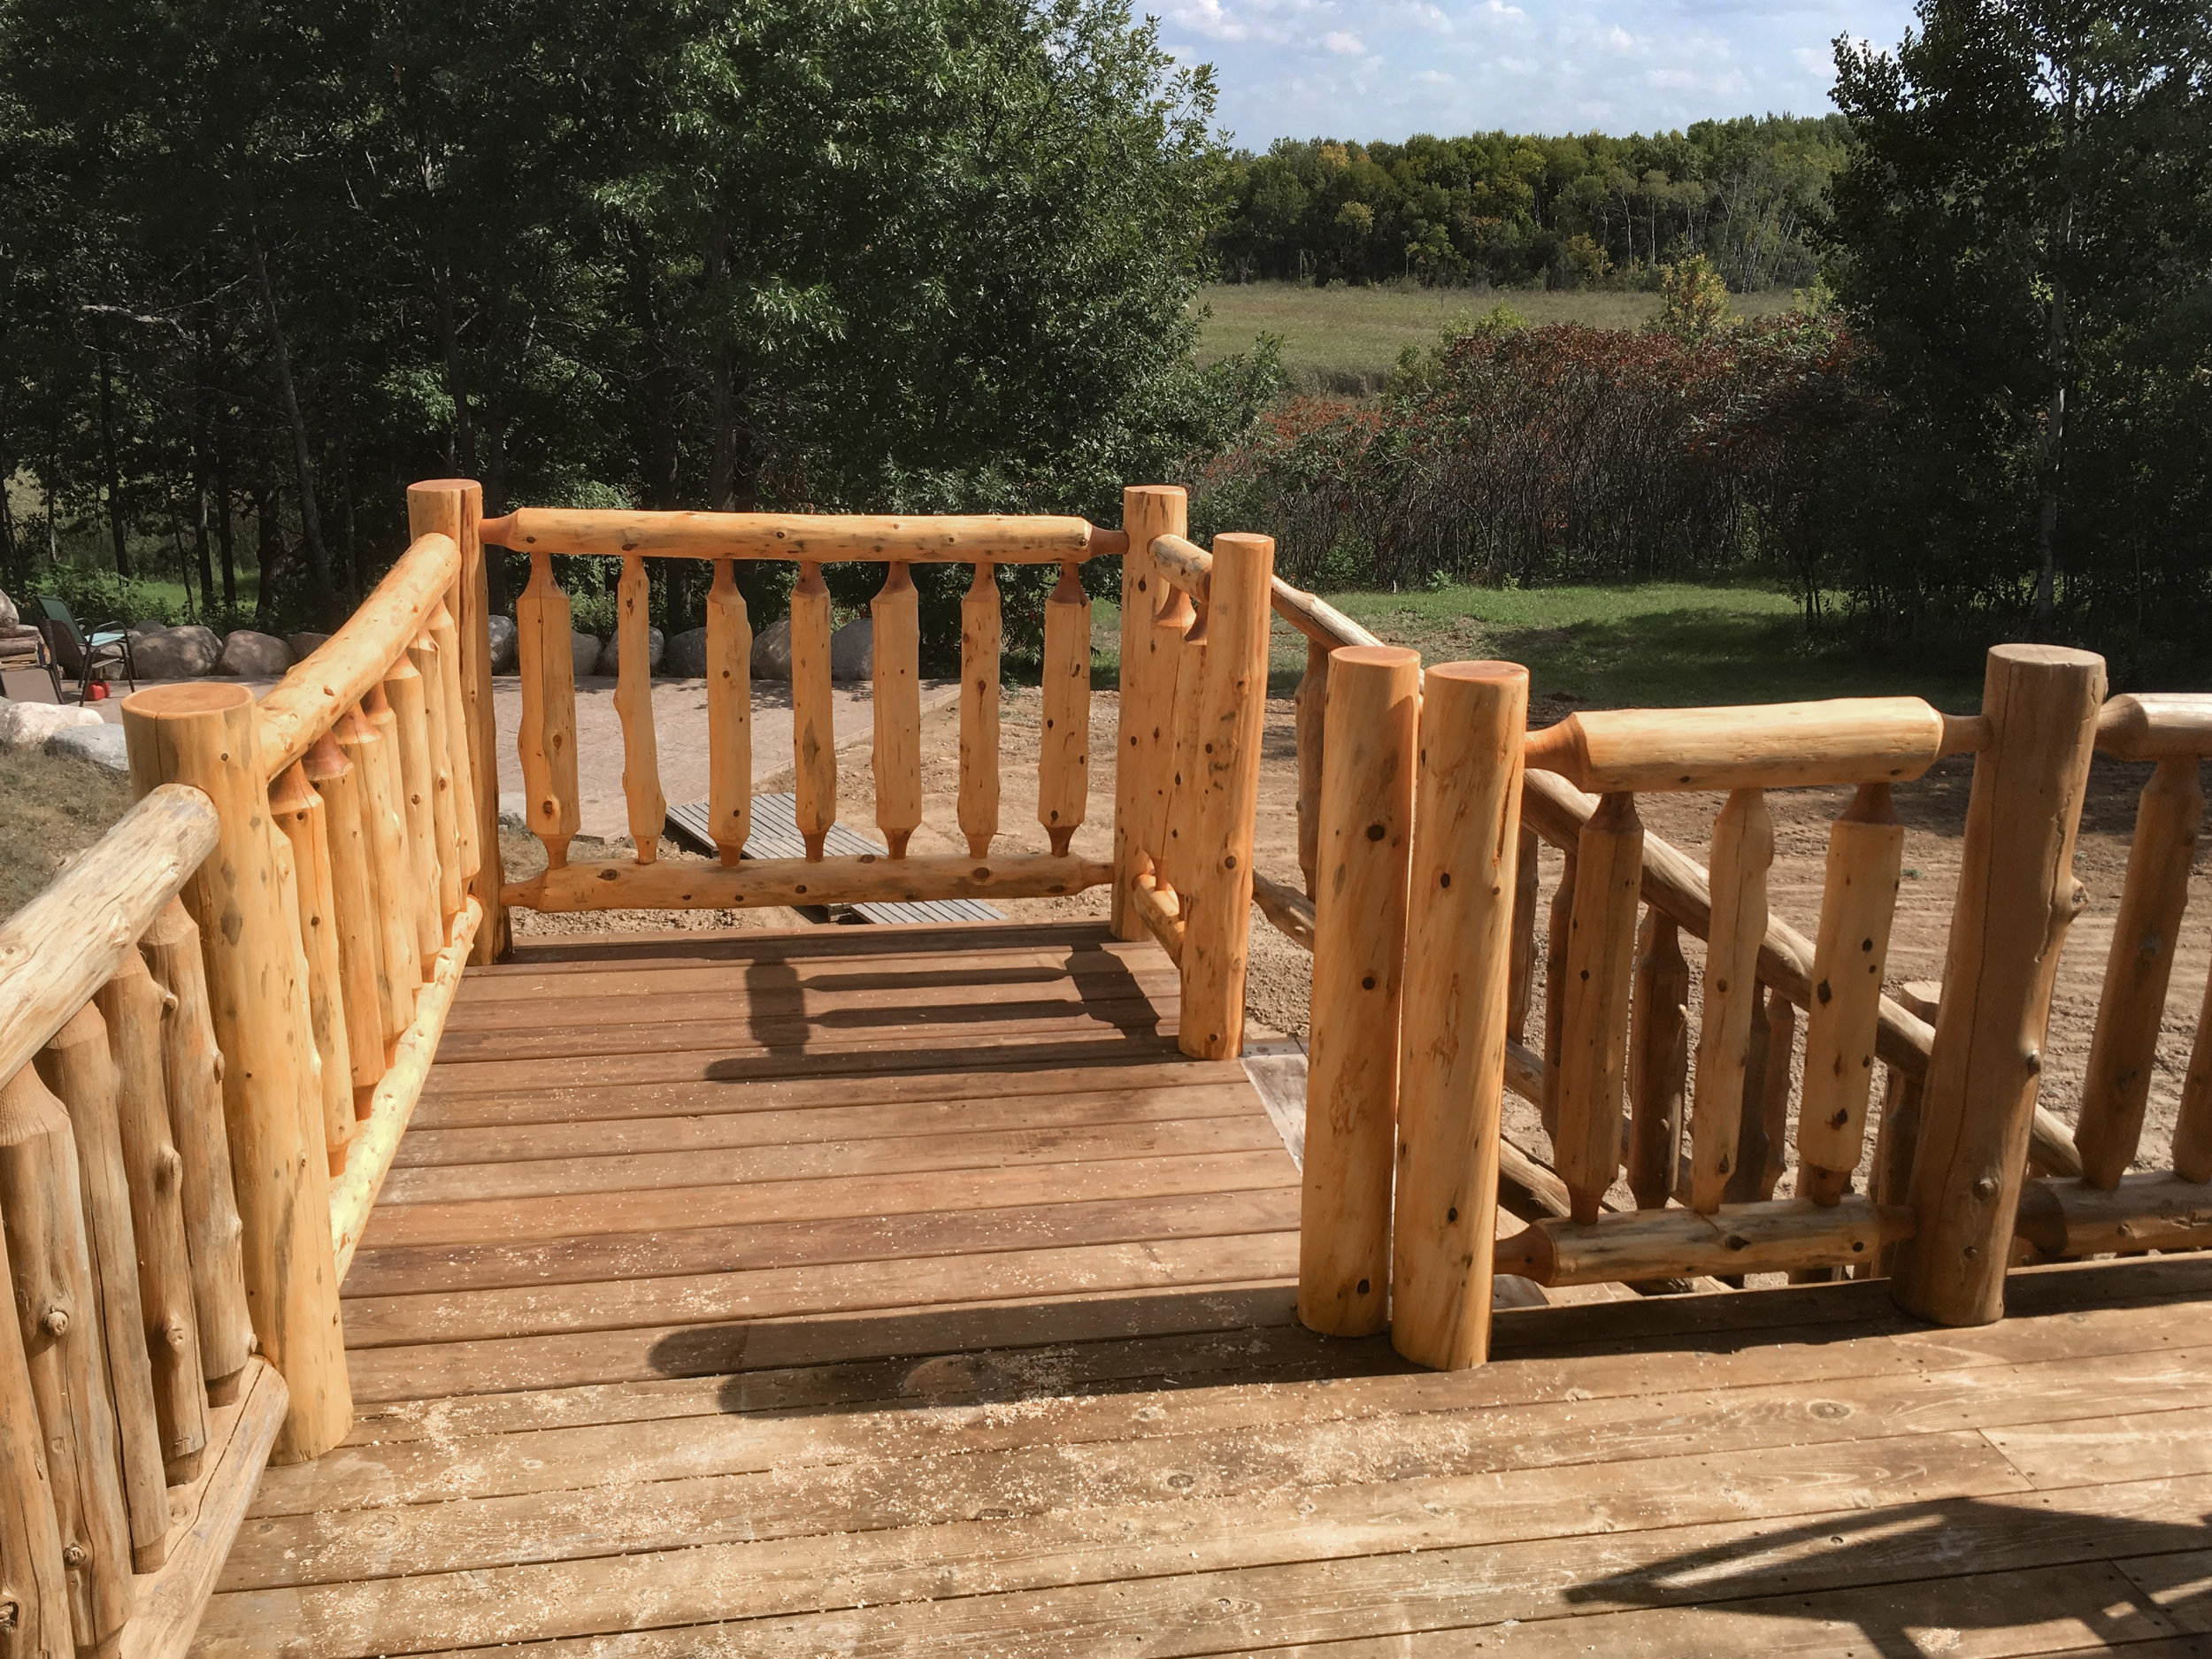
(586, 648)
(657, 648)
(771, 651)
(686, 655)
(100, 743)
(853, 650)
(179, 653)
(304, 646)
(29, 725)
(502, 631)
(250, 656)
(9, 616)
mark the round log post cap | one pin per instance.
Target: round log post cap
(1374, 655)
(1486, 673)
(1159, 492)
(2047, 657)
(186, 699)
(1243, 541)
(442, 486)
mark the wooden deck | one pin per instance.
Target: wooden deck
(885, 1290)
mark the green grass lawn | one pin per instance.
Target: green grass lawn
(1345, 339)
(1627, 645)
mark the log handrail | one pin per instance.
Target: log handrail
(2156, 725)
(810, 538)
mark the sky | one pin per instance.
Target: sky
(1386, 69)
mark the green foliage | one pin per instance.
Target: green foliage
(95, 596)
(1692, 300)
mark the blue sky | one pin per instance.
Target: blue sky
(1384, 69)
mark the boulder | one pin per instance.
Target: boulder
(100, 743)
(656, 649)
(179, 653)
(586, 648)
(514, 810)
(304, 646)
(686, 655)
(502, 631)
(853, 650)
(9, 616)
(250, 656)
(29, 725)
(771, 651)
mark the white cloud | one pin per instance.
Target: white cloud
(1619, 39)
(1509, 13)
(1342, 44)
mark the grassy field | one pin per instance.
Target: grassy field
(1345, 339)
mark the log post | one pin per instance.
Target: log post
(1658, 1059)
(366, 743)
(1170, 849)
(1898, 1136)
(813, 727)
(204, 736)
(301, 818)
(1521, 991)
(454, 507)
(1310, 705)
(410, 732)
(1451, 1084)
(133, 1007)
(545, 644)
(1743, 849)
(1064, 773)
(57, 1313)
(1233, 712)
(193, 1067)
(2016, 893)
(1594, 1045)
(445, 639)
(445, 834)
(364, 990)
(895, 756)
(1359, 947)
(33, 1582)
(646, 806)
(1144, 728)
(981, 634)
(729, 715)
(2125, 1045)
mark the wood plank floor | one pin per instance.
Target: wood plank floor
(899, 1291)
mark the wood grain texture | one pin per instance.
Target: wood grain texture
(368, 745)
(852, 879)
(445, 639)
(1658, 1060)
(300, 817)
(811, 538)
(1521, 989)
(2156, 725)
(356, 779)
(813, 728)
(1142, 731)
(646, 806)
(34, 1581)
(1064, 767)
(1769, 745)
(445, 845)
(980, 635)
(896, 753)
(1743, 850)
(1771, 1237)
(1309, 707)
(364, 990)
(729, 715)
(1593, 1035)
(545, 645)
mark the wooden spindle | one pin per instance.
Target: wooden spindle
(1225, 785)
(1359, 947)
(362, 990)
(410, 728)
(729, 715)
(300, 814)
(1658, 1059)
(545, 643)
(79, 1069)
(369, 747)
(1309, 707)
(2125, 1046)
(133, 1007)
(981, 643)
(1898, 1138)
(446, 639)
(1743, 850)
(1171, 852)
(813, 715)
(2192, 1127)
(1064, 770)
(633, 707)
(1763, 1125)
(34, 1581)
(1559, 925)
(57, 1312)
(2016, 895)
(1866, 856)
(896, 655)
(1451, 1089)
(1521, 989)
(444, 803)
(192, 1067)
(1594, 1045)
(1144, 732)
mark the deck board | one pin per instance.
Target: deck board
(957, 1317)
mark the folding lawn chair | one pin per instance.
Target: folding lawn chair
(84, 656)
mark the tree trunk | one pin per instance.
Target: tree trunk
(199, 497)
(225, 529)
(311, 523)
(268, 547)
(110, 474)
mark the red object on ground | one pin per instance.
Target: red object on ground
(96, 692)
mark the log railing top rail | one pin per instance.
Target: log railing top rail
(813, 538)
(2156, 725)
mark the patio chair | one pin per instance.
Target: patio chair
(85, 656)
(23, 649)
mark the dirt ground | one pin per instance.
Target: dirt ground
(1934, 808)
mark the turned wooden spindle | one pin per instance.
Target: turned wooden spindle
(729, 715)
(1451, 1089)
(648, 807)
(897, 683)
(192, 1067)
(411, 729)
(1743, 851)
(134, 1007)
(1594, 1044)
(301, 817)
(545, 643)
(444, 804)
(364, 991)
(57, 1311)
(1359, 948)
(1658, 1059)
(813, 724)
(1309, 707)
(980, 644)
(370, 750)
(1064, 770)
(1521, 989)
(33, 1580)
(1143, 733)
(1866, 856)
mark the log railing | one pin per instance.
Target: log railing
(548, 733)
(135, 1414)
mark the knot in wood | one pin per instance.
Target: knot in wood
(55, 1322)
(74, 1555)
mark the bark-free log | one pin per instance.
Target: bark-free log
(816, 537)
(1593, 1037)
(2156, 725)
(1521, 989)
(1776, 1236)
(1743, 849)
(2125, 1046)
(364, 991)
(1158, 911)
(1770, 745)
(411, 733)
(896, 755)
(1312, 704)
(1063, 768)
(1658, 1059)
(362, 742)
(1560, 928)
(1184, 564)
(633, 707)
(445, 638)
(205, 734)
(1452, 1041)
(1144, 726)
(445, 831)
(980, 648)
(2192, 1128)
(813, 730)
(1289, 911)
(133, 1007)
(1172, 846)
(57, 1313)
(2149, 1210)
(729, 716)
(545, 643)
(193, 1068)
(1225, 781)
(1359, 952)
(869, 877)
(1319, 620)
(33, 1582)
(1866, 853)
(301, 816)
(2016, 893)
